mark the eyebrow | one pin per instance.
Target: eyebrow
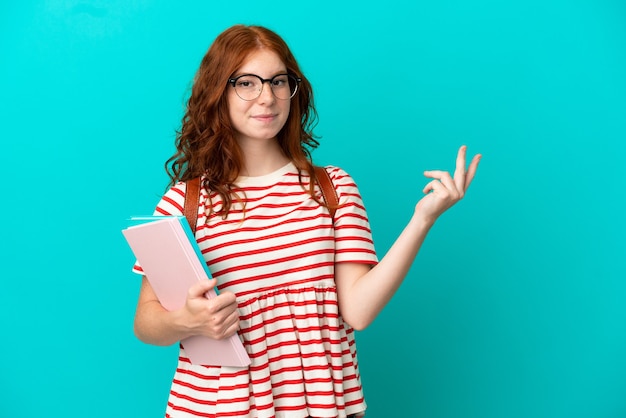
(237, 74)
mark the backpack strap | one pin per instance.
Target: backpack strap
(192, 201)
(329, 193)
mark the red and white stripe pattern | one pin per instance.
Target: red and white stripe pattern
(278, 257)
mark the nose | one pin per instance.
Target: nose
(267, 95)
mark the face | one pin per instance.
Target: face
(261, 118)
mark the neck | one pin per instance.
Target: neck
(262, 157)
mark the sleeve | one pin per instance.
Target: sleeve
(171, 204)
(353, 236)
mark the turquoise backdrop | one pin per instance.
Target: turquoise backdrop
(515, 307)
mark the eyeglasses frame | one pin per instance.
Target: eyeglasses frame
(233, 80)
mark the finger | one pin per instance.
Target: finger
(471, 170)
(232, 328)
(199, 289)
(225, 323)
(459, 172)
(435, 174)
(444, 178)
(433, 186)
(429, 187)
(233, 320)
(224, 301)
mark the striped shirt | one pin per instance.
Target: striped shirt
(277, 255)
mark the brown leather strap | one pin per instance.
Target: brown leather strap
(329, 193)
(192, 202)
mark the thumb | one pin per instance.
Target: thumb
(202, 287)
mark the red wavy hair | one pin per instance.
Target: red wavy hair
(206, 145)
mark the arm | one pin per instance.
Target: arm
(364, 292)
(216, 318)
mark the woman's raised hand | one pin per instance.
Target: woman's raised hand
(444, 190)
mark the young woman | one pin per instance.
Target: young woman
(294, 283)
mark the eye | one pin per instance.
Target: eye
(247, 82)
(280, 81)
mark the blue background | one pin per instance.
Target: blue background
(515, 306)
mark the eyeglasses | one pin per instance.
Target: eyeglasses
(250, 86)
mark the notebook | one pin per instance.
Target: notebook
(172, 262)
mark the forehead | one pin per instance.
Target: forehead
(263, 62)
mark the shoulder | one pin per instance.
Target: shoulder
(173, 201)
(339, 176)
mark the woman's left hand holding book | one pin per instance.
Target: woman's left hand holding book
(216, 318)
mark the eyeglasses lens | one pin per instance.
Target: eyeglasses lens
(249, 87)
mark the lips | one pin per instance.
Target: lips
(264, 118)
